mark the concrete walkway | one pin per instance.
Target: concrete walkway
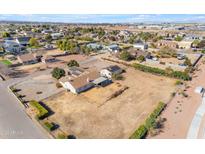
(195, 124)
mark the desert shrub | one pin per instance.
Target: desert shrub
(117, 77)
(58, 85)
(178, 82)
(61, 136)
(49, 126)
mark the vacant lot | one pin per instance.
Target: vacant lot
(82, 116)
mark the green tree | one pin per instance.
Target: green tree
(6, 34)
(58, 73)
(187, 62)
(125, 56)
(141, 58)
(201, 44)
(33, 42)
(48, 38)
(195, 43)
(72, 63)
(178, 38)
(145, 36)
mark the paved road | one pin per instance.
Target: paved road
(14, 123)
(195, 124)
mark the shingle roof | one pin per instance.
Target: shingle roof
(26, 57)
(83, 79)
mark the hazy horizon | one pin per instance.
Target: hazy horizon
(105, 18)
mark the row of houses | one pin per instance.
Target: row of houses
(29, 58)
(88, 80)
(175, 44)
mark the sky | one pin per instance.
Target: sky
(106, 18)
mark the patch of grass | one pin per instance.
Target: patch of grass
(6, 62)
(42, 112)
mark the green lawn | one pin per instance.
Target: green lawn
(6, 62)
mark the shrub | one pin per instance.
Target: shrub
(49, 126)
(42, 112)
(125, 56)
(72, 63)
(58, 85)
(178, 82)
(61, 136)
(117, 77)
(58, 73)
(158, 71)
(139, 133)
(141, 58)
(149, 123)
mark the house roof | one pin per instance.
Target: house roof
(83, 80)
(100, 80)
(48, 57)
(113, 46)
(26, 57)
(113, 68)
(23, 39)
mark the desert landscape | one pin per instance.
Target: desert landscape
(89, 115)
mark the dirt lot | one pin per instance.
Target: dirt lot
(82, 116)
(43, 83)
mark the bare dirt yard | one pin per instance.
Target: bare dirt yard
(89, 115)
(38, 88)
(181, 110)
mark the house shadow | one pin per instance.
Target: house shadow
(18, 74)
(50, 112)
(71, 137)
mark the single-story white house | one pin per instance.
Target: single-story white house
(111, 70)
(140, 46)
(113, 48)
(81, 83)
(56, 36)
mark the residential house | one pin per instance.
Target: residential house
(102, 81)
(192, 37)
(47, 31)
(111, 70)
(140, 45)
(56, 36)
(113, 48)
(185, 44)
(12, 46)
(170, 44)
(136, 53)
(27, 59)
(81, 83)
(94, 46)
(48, 59)
(24, 41)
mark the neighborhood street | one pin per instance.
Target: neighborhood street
(195, 125)
(14, 122)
